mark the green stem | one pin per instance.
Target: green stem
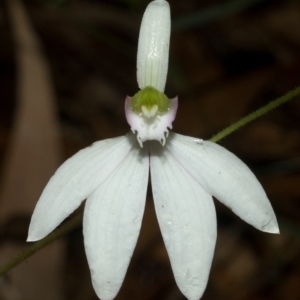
(68, 226)
(77, 219)
(255, 115)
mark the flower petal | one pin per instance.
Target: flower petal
(153, 46)
(227, 178)
(74, 181)
(187, 219)
(112, 222)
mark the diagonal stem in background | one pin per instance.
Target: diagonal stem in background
(255, 115)
(68, 226)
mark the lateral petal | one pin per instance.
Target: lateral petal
(74, 181)
(112, 221)
(187, 219)
(226, 177)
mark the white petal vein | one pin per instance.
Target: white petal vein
(187, 219)
(74, 181)
(112, 221)
(226, 177)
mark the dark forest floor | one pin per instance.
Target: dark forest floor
(222, 68)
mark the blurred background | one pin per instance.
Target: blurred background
(66, 67)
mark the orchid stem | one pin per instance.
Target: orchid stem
(255, 115)
(76, 220)
(68, 226)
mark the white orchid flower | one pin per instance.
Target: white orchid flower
(185, 173)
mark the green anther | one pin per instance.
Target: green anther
(149, 97)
